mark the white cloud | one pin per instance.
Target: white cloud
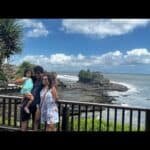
(80, 57)
(60, 59)
(112, 58)
(138, 52)
(137, 56)
(37, 33)
(102, 27)
(36, 28)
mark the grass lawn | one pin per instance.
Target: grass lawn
(82, 125)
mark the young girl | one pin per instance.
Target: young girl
(26, 89)
(48, 106)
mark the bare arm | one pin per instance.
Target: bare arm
(29, 96)
(54, 93)
(20, 81)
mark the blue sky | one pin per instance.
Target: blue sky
(107, 45)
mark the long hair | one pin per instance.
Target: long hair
(49, 79)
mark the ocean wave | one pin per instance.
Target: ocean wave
(131, 89)
(68, 77)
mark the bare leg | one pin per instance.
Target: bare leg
(24, 125)
(28, 104)
(26, 108)
(50, 127)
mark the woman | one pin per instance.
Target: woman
(48, 106)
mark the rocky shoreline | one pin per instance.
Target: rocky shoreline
(110, 86)
(89, 92)
(94, 91)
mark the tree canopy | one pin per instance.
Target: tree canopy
(10, 38)
(90, 77)
(22, 67)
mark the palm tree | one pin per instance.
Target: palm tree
(10, 38)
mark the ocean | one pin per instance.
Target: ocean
(138, 85)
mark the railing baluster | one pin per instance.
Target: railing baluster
(39, 124)
(32, 123)
(93, 118)
(19, 112)
(147, 119)
(86, 114)
(45, 126)
(115, 120)
(100, 119)
(130, 119)
(72, 118)
(59, 111)
(123, 117)
(79, 117)
(108, 119)
(9, 111)
(15, 112)
(139, 119)
(0, 112)
(65, 118)
(8, 108)
(4, 109)
(28, 124)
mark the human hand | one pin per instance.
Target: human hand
(29, 96)
(19, 81)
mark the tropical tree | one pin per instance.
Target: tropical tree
(90, 77)
(10, 39)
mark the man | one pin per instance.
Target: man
(34, 107)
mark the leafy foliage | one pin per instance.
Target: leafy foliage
(22, 67)
(90, 77)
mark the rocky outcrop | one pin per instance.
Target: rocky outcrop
(104, 86)
(95, 91)
(116, 87)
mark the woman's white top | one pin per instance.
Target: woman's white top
(48, 106)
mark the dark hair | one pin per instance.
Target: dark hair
(27, 70)
(49, 79)
(38, 69)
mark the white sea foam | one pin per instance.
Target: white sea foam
(68, 78)
(131, 89)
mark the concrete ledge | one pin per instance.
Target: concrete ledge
(11, 129)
